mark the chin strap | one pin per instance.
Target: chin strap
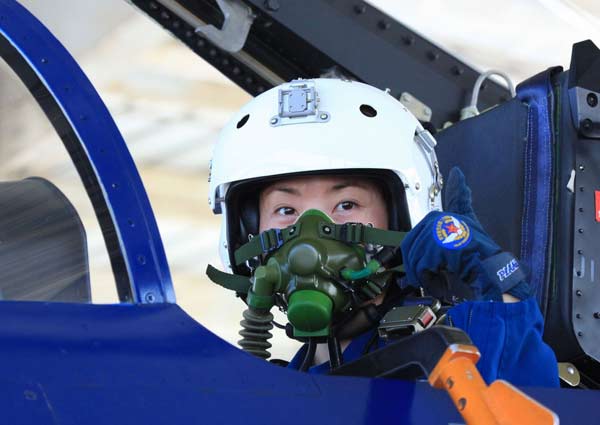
(234, 282)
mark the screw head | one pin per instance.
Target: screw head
(324, 116)
(274, 121)
(383, 25)
(327, 229)
(360, 9)
(592, 99)
(417, 186)
(150, 297)
(272, 5)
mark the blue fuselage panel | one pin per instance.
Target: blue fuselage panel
(107, 364)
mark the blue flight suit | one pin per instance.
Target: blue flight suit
(508, 336)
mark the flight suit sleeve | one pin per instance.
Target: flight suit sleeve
(509, 338)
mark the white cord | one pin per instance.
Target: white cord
(471, 110)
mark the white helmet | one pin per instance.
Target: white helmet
(321, 126)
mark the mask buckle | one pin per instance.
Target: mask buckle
(266, 240)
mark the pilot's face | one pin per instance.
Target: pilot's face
(343, 198)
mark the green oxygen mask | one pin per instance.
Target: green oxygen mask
(315, 270)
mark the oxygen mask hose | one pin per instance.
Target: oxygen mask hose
(258, 319)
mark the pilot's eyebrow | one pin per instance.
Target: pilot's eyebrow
(350, 183)
(289, 190)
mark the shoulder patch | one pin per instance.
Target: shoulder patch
(451, 233)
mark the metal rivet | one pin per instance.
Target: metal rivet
(581, 167)
(592, 99)
(456, 70)
(236, 70)
(417, 186)
(383, 25)
(141, 259)
(150, 297)
(431, 55)
(30, 395)
(225, 245)
(578, 292)
(408, 40)
(165, 15)
(597, 315)
(114, 186)
(570, 370)
(212, 52)
(449, 383)
(578, 273)
(360, 9)
(131, 223)
(327, 229)
(201, 42)
(580, 209)
(579, 333)
(580, 251)
(274, 121)
(324, 116)
(292, 230)
(44, 60)
(587, 124)
(272, 5)
(580, 230)
(578, 316)
(462, 403)
(581, 189)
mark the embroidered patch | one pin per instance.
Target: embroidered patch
(451, 233)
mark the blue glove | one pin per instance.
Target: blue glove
(455, 241)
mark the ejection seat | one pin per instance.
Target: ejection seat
(533, 164)
(43, 249)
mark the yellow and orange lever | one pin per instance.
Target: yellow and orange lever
(447, 357)
(497, 404)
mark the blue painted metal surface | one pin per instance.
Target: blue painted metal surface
(97, 149)
(109, 364)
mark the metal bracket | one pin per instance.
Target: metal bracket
(236, 27)
(299, 103)
(427, 143)
(406, 320)
(585, 111)
(419, 109)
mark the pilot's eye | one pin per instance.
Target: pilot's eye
(285, 211)
(345, 206)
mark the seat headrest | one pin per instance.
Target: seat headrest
(43, 248)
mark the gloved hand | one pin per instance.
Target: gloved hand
(455, 241)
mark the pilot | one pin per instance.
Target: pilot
(355, 154)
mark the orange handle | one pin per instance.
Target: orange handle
(500, 403)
